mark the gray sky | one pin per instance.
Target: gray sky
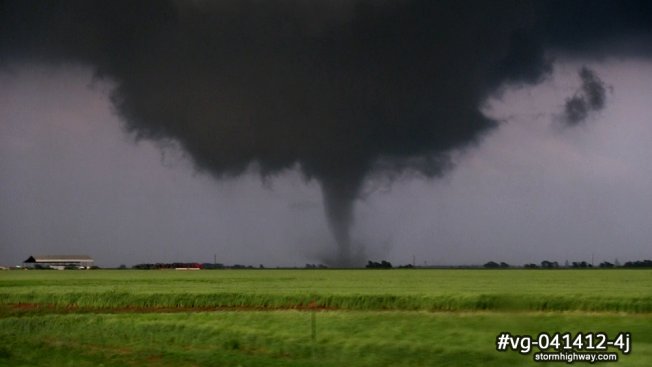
(72, 181)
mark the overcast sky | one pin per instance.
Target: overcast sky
(550, 161)
(74, 182)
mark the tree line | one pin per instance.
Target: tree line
(384, 264)
(545, 264)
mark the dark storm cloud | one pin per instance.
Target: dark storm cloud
(590, 98)
(599, 28)
(339, 89)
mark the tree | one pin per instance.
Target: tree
(549, 264)
(379, 265)
(491, 265)
(581, 265)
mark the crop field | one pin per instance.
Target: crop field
(411, 317)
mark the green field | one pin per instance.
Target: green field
(310, 317)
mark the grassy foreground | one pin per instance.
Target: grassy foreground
(265, 317)
(283, 338)
(429, 290)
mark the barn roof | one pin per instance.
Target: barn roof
(58, 258)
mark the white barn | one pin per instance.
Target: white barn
(60, 261)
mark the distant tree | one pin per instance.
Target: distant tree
(143, 266)
(549, 264)
(638, 264)
(122, 267)
(212, 266)
(606, 264)
(504, 265)
(491, 265)
(166, 266)
(530, 266)
(581, 265)
(379, 265)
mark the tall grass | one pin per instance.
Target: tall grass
(116, 318)
(481, 302)
(427, 290)
(283, 338)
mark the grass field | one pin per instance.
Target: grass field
(265, 317)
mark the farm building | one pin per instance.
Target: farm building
(60, 261)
